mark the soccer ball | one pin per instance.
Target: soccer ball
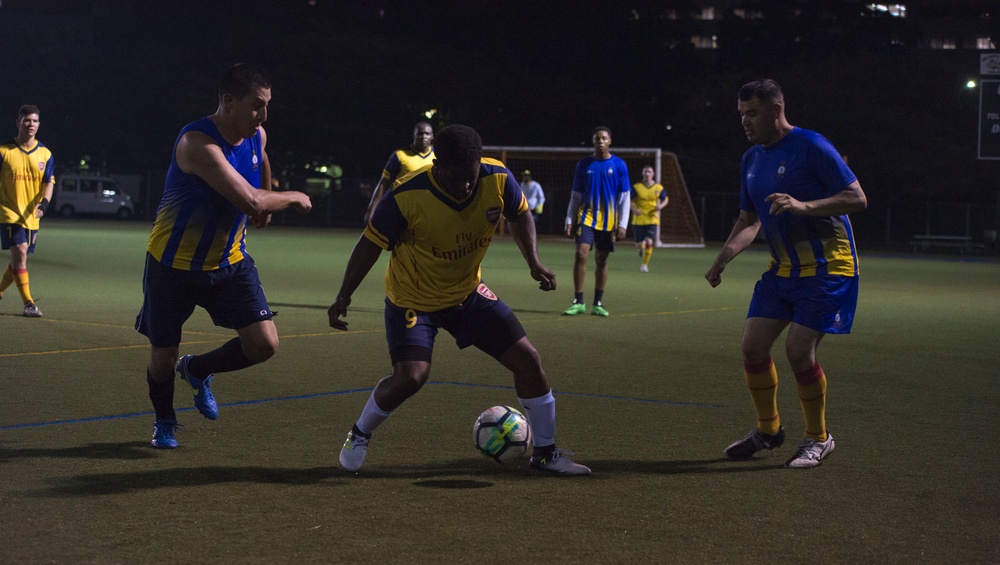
(502, 434)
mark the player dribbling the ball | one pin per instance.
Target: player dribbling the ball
(438, 226)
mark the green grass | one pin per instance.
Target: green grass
(648, 398)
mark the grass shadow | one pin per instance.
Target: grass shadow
(181, 477)
(131, 450)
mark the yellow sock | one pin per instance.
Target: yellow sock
(21, 278)
(6, 280)
(762, 380)
(812, 396)
(646, 254)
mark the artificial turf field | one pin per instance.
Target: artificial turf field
(648, 398)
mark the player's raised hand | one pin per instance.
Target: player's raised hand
(338, 310)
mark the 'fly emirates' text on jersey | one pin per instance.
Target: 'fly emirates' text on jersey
(438, 242)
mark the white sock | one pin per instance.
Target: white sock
(541, 415)
(372, 416)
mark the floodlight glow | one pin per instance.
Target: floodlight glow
(970, 84)
(430, 113)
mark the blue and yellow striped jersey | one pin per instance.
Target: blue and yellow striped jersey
(645, 198)
(601, 183)
(405, 161)
(196, 228)
(22, 174)
(806, 166)
(437, 242)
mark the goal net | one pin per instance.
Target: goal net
(553, 168)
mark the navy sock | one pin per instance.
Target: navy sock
(578, 298)
(227, 358)
(162, 397)
(598, 295)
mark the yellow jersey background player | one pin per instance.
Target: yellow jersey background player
(648, 198)
(402, 162)
(27, 176)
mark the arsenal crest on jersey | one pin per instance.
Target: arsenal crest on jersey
(41, 166)
(493, 215)
(485, 292)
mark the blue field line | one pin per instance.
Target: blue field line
(348, 391)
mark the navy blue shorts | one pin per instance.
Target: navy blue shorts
(602, 240)
(482, 320)
(641, 233)
(12, 235)
(232, 296)
(823, 303)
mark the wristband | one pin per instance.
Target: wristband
(43, 204)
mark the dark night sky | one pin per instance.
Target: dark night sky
(350, 78)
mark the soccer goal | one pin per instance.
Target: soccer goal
(553, 168)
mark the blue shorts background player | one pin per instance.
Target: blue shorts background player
(197, 254)
(438, 226)
(798, 189)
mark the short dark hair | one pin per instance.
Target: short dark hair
(27, 110)
(458, 146)
(241, 79)
(766, 90)
(601, 128)
(419, 124)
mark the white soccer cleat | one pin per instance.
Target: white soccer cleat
(32, 311)
(558, 462)
(810, 453)
(352, 455)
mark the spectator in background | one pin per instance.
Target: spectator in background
(533, 193)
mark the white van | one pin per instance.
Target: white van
(84, 194)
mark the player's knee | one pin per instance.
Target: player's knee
(161, 366)
(261, 350)
(754, 352)
(408, 380)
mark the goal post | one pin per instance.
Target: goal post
(553, 168)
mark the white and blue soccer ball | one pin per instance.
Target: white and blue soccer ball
(501, 433)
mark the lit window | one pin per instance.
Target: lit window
(895, 10)
(943, 43)
(704, 41)
(984, 43)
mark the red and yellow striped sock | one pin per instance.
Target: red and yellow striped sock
(646, 254)
(6, 280)
(811, 385)
(762, 380)
(21, 279)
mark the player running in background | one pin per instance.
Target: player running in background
(197, 253)
(597, 210)
(648, 198)
(417, 155)
(438, 225)
(797, 188)
(27, 175)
